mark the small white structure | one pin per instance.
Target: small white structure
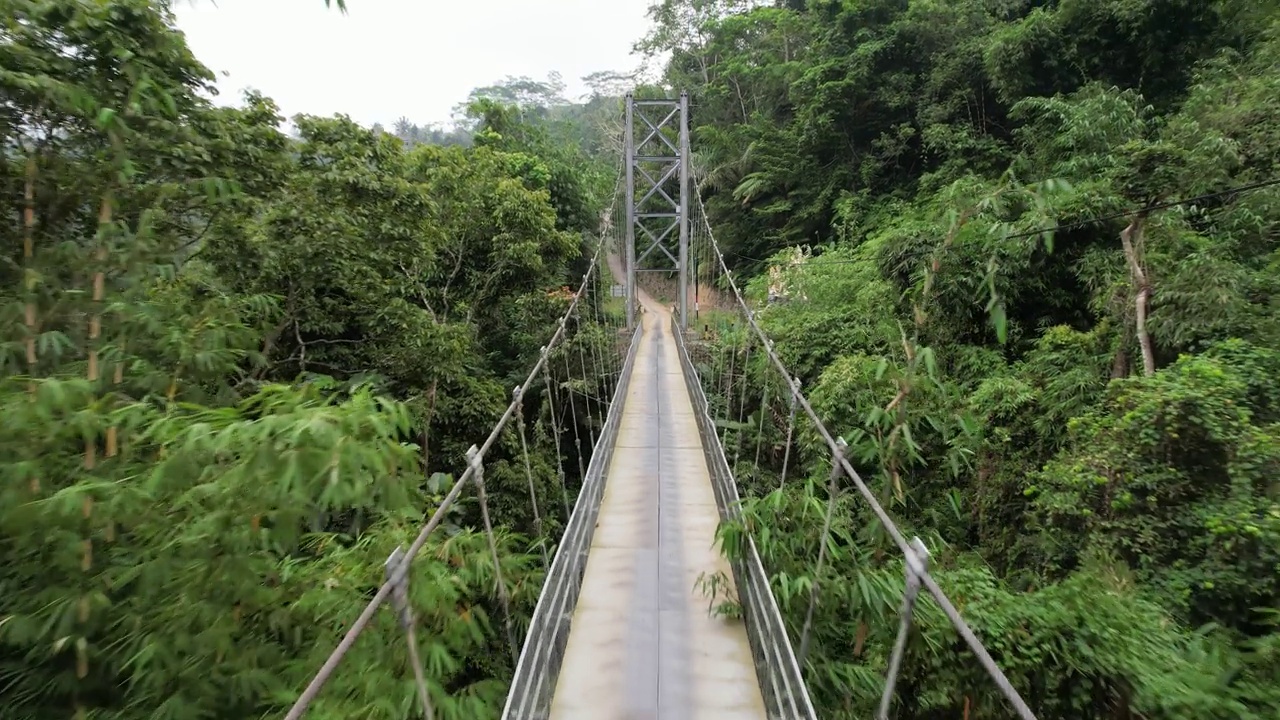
(781, 285)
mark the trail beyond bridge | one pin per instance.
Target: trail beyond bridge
(624, 625)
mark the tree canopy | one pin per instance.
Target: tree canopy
(1027, 252)
(239, 366)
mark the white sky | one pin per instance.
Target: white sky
(413, 58)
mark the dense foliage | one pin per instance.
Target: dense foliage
(238, 365)
(1082, 424)
(236, 368)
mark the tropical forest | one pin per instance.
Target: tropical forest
(1023, 257)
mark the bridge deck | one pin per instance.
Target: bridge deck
(642, 643)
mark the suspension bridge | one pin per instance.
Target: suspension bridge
(622, 626)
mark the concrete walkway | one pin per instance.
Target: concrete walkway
(642, 643)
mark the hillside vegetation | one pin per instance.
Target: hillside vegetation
(1026, 259)
(1081, 423)
(237, 366)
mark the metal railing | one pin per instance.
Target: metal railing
(781, 680)
(538, 668)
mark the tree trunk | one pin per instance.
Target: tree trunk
(28, 254)
(1120, 363)
(426, 427)
(28, 266)
(92, 373)
(1131, 240)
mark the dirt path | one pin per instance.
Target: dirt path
(646, 301)
(708, 297)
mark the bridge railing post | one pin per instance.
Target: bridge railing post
(791, 429)
(404, 615)
(917, 564)
(833, 487)
(477, 466)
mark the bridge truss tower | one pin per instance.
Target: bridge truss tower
(657, 167)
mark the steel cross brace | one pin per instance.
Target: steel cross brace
(669, 162)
